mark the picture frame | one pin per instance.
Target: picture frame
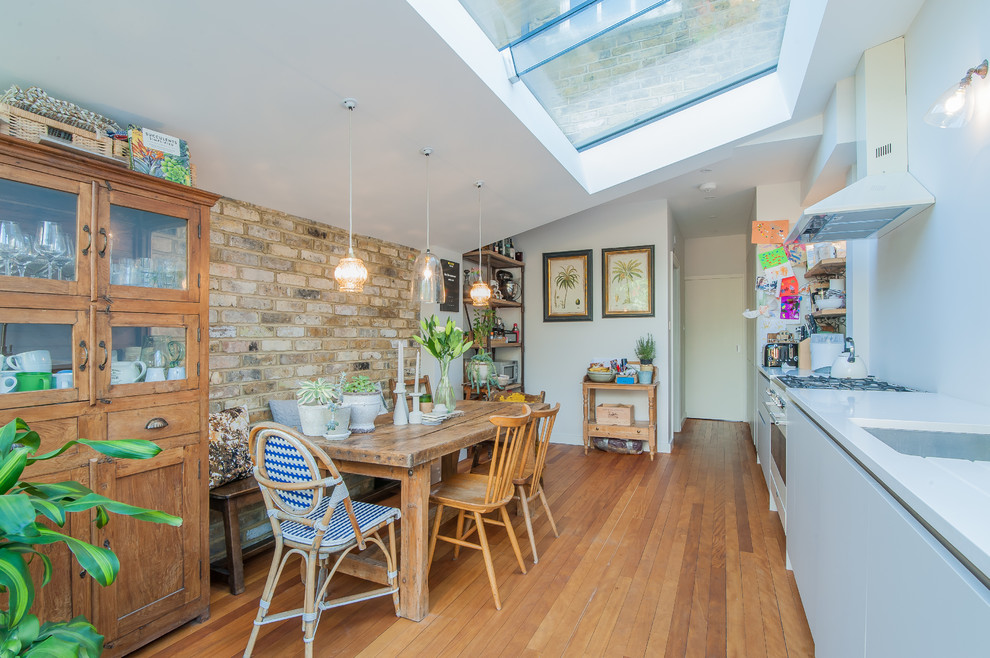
(627, 282)
(567, 291)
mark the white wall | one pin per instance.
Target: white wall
(719, 256)
(429, 365)
(929, 313)
(557, 353)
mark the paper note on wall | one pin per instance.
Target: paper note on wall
(773, 258)
(790, 307)
(770, 232)
(795, 253)
(788, 286)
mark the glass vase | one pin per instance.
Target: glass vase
(444, 392)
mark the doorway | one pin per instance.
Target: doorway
(714, 358)
(675, 361)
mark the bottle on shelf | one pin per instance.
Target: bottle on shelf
(513, 335)
(512, 250)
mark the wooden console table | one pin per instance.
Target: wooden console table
(641, 429)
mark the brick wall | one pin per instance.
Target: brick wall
(276, 316)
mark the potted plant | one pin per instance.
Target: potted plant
(445, 343)
(426, 403)
(30, 513)
(364, 398)
(480, 370)
(313, 399)
(646, 351)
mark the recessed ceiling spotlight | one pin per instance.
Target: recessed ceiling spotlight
(705, 171)
(712, 216)
(708, 188)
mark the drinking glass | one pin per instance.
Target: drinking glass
(24, 255)
(66, 253)
(10, 241)
(47, 244)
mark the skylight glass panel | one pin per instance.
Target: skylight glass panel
(605, 67)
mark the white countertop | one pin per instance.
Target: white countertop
(951, 495)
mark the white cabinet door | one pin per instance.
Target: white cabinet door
(804, 487)
(922, 601)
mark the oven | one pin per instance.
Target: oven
(774, 403)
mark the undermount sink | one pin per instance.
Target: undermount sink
(945, 440)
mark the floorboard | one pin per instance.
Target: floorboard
(675, 557)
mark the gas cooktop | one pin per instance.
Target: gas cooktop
(816, 381)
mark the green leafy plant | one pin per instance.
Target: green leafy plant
(646, 348)
(477, 381)
(484, 322)
(23, 505)
(360, 384)
(320, 391)
(444, 343)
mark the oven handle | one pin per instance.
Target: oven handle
(775, 416)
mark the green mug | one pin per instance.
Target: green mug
(33, 381)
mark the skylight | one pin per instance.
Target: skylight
(603, 67)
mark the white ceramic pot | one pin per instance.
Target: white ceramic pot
(313, 419)
(364, 408)
(342, 416)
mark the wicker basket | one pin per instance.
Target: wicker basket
(36, 128)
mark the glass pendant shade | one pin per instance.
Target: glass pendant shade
(350, 274)
(480, 293)
(954, 108)
(428, 285)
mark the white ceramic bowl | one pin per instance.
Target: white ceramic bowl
(831, 302)
(601, 377)
(503, 380)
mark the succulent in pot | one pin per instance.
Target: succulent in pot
(364, 398)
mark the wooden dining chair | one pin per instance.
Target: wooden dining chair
(529, 478)
(313, 516)
(481, 494)
(485, 447)
(424, 386)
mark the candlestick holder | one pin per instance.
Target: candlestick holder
(415, 416)
(401, 415)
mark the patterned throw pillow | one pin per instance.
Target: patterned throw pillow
(229, 456)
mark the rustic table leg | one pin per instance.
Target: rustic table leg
(448, 464)
(414, 592)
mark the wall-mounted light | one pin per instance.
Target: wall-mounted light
(350, 273)
(954, 107)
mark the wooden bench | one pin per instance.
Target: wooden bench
(229, 499)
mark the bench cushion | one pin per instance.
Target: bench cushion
(229, 456)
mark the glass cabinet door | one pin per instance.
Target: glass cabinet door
(44, 237)
(46, 357)
(141, 353)
(152, 249)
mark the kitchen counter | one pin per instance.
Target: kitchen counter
(950, 496)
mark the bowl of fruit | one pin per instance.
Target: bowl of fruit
(600, 373)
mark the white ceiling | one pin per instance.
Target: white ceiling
(255, 88)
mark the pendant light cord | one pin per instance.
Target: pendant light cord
(479, 184)
(350, 183)
(427, 154)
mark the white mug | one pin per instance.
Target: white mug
(63, 379)
(127, 372)
(33, 361)
(176, 372)
(155, 374)
(8, 383)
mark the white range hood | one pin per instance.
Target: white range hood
(887, 194)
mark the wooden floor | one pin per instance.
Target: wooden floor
(678, 557)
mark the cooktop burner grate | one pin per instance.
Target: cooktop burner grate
(815, 381)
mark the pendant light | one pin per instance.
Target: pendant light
(480, 292)
(428, 282)
(350, 273)
(954, 107)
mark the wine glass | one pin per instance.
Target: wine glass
(10, 240)
(25, 255)
(66, 253)
(47, 244)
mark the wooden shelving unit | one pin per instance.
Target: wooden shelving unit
(818, 276)
(643, 430)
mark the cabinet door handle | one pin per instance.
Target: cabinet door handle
(88, 232)
(106, 243)
(82, 366)
(106, 355)
(156, 424)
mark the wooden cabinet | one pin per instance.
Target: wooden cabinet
(643, 430)
(510, 310)
(111, 284)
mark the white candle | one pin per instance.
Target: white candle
(416, 384)
(400, 378)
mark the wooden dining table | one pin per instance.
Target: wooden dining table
(406, 453)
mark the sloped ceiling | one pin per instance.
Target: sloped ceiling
(256, 90)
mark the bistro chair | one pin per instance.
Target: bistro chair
(529, 480)
(424, 386)
(480, 494)
(312, 516)
(505, 396)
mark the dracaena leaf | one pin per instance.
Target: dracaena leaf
(124, 448)
(77, 633)
(95, 500)
(17, 515)
(15, 578)
(99, 562)
(12, 467)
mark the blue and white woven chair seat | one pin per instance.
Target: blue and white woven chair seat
(341, 532)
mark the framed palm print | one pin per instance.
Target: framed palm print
(567, 286)
(627, 282)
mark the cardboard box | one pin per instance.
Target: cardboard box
(614, 414)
